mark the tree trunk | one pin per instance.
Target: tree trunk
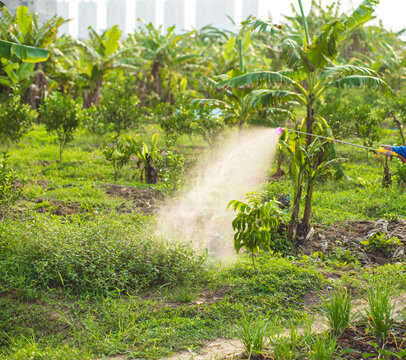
(309, 120)
(151, 173)
(304, 226)
(294, 220)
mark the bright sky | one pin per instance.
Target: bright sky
(391, 12)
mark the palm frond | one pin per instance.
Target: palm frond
(257, 78)
(348, 70)
(292, 53)
(211, 102)
(356, 81)
(271, 97)
(262, 26)
(24, 53)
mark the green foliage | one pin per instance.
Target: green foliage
(380, 242)
(119, 107)
(118, 153)
(93, 257)
(9, 192)
(149, 155)
(171, 170)
(183, 295)
(15, 118)
(252, 332)
(254, 223)
(61, 114)
(401, 174)
(380, 311)
(337, 309)
(366, 123)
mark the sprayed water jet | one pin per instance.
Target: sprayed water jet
(200, 213)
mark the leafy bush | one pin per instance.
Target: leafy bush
(254, 224)
(105, 254)
(118, 153)
(9, 193)
(61, 114)
(184, 118)
(119, 107)
(380, 242)
(15, 118)
(171, 170)
(401, 174)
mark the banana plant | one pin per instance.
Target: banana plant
(147, 155)
(164, 60)
(16, 37)
(100, 54)
(311, 70)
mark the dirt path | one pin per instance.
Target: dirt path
(224, 348)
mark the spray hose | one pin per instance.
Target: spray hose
(375, 151)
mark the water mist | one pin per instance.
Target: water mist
(200, 214)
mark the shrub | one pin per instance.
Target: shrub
(254, 224)
(9, 193)
(61, 114)
(380, 242)
(98, 256)
(171, 170)
(337, 309)
(118, 153)
(15, 118)
(119, 107)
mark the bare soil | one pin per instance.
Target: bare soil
(145, 199)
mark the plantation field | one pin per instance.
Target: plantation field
(83, 276)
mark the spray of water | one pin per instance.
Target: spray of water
(200, 214)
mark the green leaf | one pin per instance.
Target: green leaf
(24, 53)
(357, 81)
(257, 78)
(24, 19)
(112, 41)
(347, 70)
(271, 97)
(361, 14)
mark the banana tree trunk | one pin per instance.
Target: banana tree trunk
(294, 219)
(309, 120)
(304, 226)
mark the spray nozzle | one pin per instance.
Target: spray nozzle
(280, 130)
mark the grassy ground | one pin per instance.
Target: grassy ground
(97, 282)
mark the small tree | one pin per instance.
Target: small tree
(118, 154)
(254, 224)
(61, 114)
(15, 119)
(119, 107)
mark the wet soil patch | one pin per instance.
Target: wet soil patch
(338, 238)
(143, 199)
